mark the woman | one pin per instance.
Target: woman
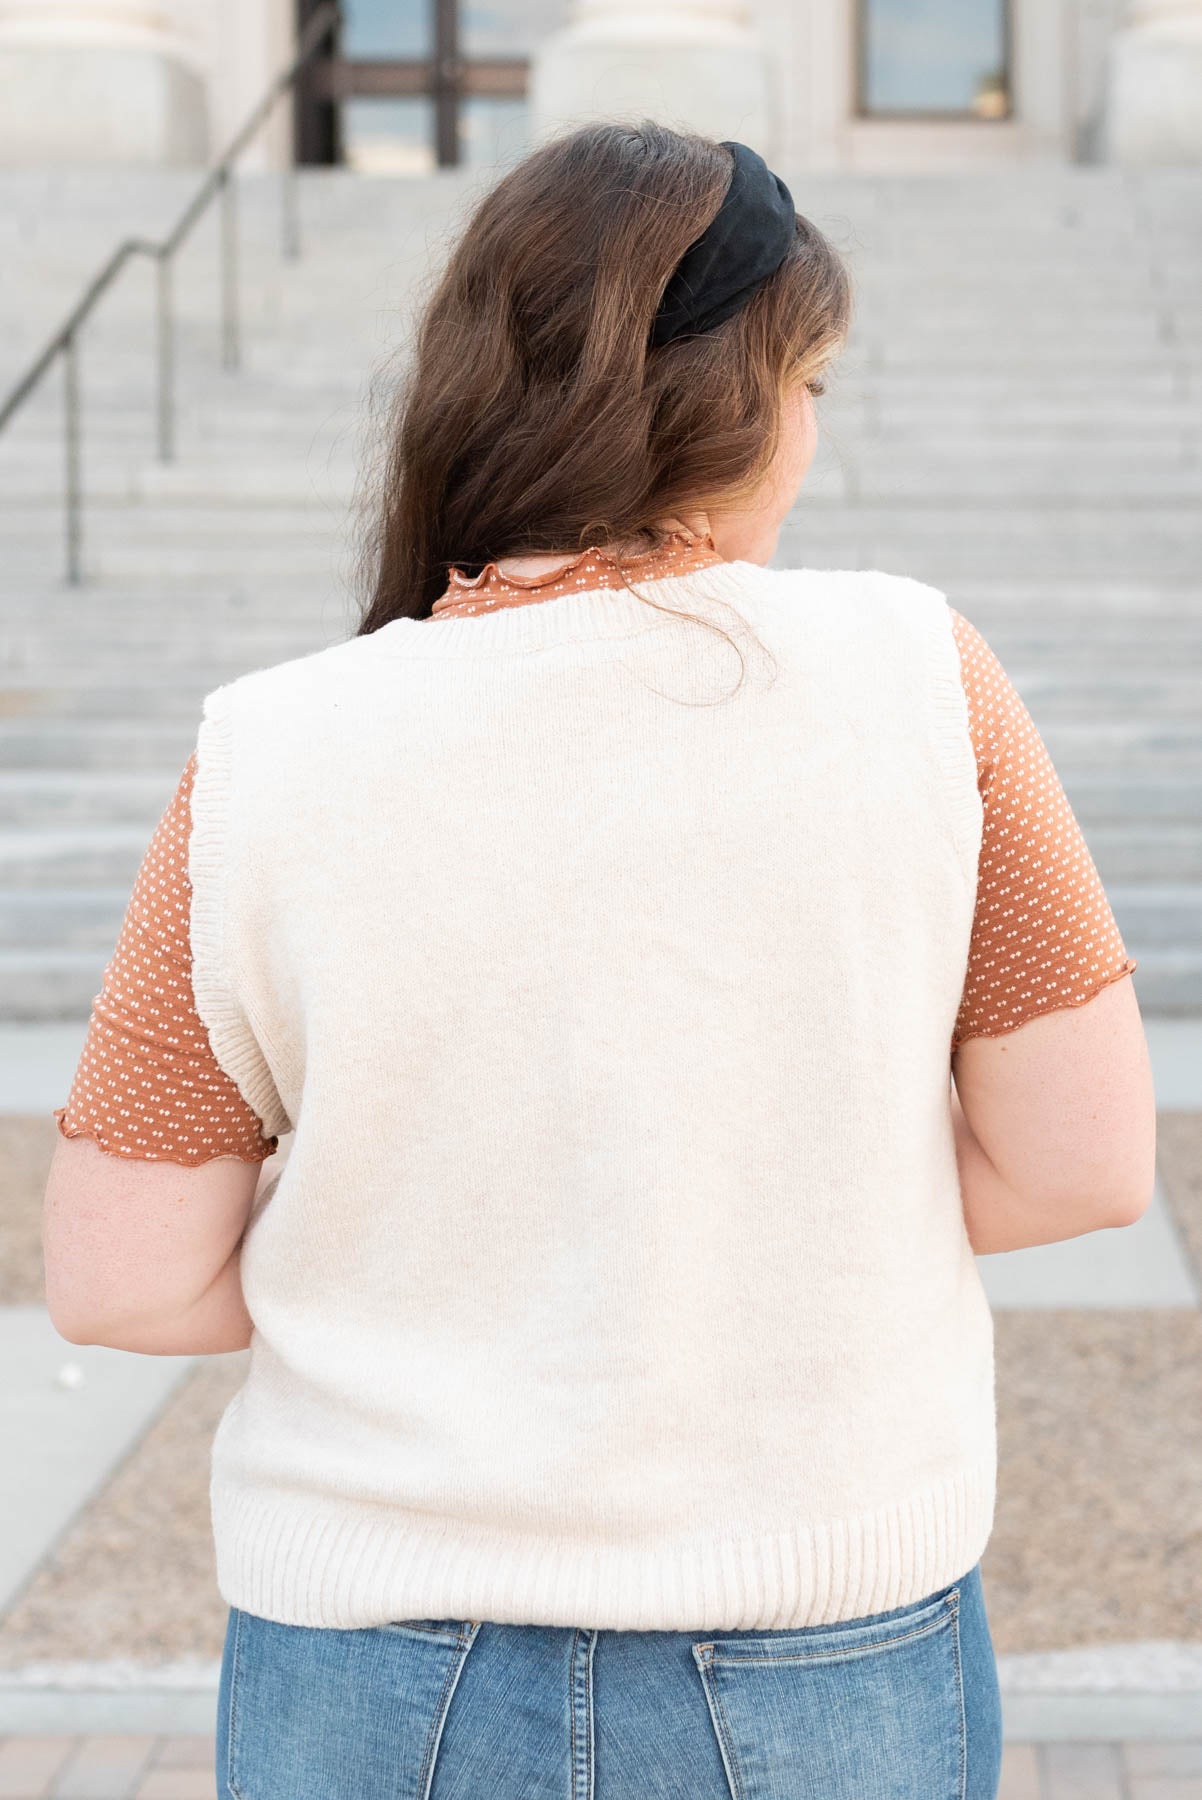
(607, 920)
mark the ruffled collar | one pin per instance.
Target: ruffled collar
(679, 553)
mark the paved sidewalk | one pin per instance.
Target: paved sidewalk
(182, 1768)
(1102, 1771)
(107, 1768)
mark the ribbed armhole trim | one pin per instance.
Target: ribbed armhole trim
(232, 1040)
(952, 737)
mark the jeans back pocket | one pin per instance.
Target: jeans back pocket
(845, 1711)
(308, 1713)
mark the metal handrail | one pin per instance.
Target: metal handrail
(219, 181)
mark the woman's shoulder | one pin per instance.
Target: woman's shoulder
(873, 594)
(875, 605)
(304, 678)
(871, 586)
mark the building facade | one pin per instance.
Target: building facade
(865, 84)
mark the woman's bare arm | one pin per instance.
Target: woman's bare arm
(1056, 1124)
(146, 1255)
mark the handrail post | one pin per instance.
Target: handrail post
(229, 272)
(166, 350)
(447, 83)
(218, 183)
(290, 211)
(74, 459)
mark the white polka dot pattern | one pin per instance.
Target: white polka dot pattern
(149, 1086)
(1043, 934)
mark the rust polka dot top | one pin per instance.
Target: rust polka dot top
(148, 1086)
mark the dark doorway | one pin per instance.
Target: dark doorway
(394, 92)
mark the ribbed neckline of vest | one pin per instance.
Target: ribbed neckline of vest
(679, 552)
(581, 615)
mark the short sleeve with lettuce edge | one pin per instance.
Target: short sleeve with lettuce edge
(1043, 933)
(147, 1083)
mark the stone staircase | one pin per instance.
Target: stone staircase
(1018, 419)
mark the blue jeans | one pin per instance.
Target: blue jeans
(900, 1705)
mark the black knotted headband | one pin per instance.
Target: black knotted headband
(745, 243)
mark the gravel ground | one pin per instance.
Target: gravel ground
(1097, 1537)
(134, 1576)
(1098, 1532)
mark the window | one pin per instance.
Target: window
(386, 110)
(934, 59)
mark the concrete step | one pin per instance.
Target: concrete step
(98, 855)
(60, 799)
(54, 919)
(137, 744)
(1138, 849)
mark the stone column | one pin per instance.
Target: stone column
(697, 64)
(246, 44)
(98, 81)
(1153, 108)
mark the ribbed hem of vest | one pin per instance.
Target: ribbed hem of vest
(347, 1565)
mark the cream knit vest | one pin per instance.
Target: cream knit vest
(617, 1276)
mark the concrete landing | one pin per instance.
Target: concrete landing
(69, 1415)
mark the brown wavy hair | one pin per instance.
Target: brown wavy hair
(536, 418)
